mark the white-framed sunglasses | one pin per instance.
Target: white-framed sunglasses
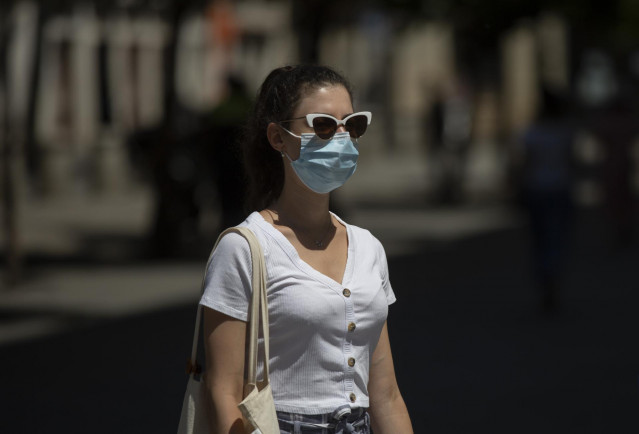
(325, 125)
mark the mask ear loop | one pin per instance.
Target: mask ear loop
(282, 153)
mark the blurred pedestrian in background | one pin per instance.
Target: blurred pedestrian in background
(617, 130)
(546, 176)
(220, 144)
(193, 170)
(450, 130)
(327, 281)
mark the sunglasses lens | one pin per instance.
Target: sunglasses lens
(356, 125)
(324, 127)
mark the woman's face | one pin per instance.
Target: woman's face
(332, 100)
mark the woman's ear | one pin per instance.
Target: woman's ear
(274, 136)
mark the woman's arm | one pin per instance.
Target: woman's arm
(224, 339)
(387, 409)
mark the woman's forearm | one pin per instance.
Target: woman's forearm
(226, 417)
(224, 374)
(391, 416)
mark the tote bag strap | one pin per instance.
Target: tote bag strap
(258, 306)
(258, 310)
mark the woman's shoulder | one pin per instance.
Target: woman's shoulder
(234, 241)
(360, 235)
(231, 238)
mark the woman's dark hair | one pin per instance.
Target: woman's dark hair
(277, 99)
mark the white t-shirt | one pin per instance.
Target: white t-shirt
(318, 327)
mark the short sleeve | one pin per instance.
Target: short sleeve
(383, 269)
(227, 283)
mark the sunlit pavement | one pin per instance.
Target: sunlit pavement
(64, 285)
(100, 347)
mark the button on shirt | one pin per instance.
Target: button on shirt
(322, 332)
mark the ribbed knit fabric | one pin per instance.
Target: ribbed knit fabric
(310, 314)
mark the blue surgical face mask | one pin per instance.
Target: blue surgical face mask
(325, 165)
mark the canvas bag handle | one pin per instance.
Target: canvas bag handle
(258, 309)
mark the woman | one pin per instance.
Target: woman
(331, 366)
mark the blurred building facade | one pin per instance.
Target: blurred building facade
(79, 78)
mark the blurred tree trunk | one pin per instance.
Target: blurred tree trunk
(7, 143)
(308, 21)
(165, 233)
(175, 12)
(32, 150)
(16, 135)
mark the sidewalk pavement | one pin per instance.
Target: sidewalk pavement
(52, 292)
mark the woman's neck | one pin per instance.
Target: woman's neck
(302, 209)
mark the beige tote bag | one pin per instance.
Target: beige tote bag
(257, 407)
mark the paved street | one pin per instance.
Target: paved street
(99, 346)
